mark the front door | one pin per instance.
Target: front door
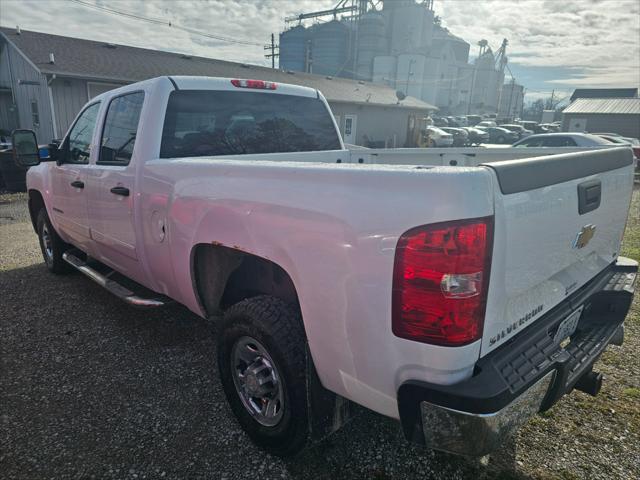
(111, 183)
(350, 129)
(69, 199)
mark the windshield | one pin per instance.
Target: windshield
(209, 123)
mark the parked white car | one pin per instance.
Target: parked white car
(438, 137)
(459, 291)
(486, 124)
(564, 139)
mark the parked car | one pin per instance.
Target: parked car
(473, 120)
(477, 135)
(440, 122)
(453, 122)
(460, 136)
(550, 127)
(519, 129)
(436, 137)
(565, 139)
(501, 135)
(634, 143)
(461, 121)
(441, 297)
(486, 123)
(535, 127)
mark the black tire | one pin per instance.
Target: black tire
(52, 249)
(277, 326)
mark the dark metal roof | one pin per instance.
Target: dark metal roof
(605, 105)
(604, 93)
(93, 60)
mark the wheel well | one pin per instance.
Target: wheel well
(36, 203)
(224, 276)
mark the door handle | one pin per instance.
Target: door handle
(122, 191)
(77, 184)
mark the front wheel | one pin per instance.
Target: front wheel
(51, 244)
(261, 360)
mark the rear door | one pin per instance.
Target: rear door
(69, 176)
(559, 221)
(111, 183)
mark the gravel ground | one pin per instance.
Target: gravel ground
(91, 388)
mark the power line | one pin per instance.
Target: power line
(159, 21)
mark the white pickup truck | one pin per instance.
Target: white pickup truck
(460, 291)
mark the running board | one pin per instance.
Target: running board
(112, 286)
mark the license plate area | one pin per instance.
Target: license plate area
(567, 326)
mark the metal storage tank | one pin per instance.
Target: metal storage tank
(411, 26)
(330, 48)
(410, 74)
(371, 43)
(486, 84)
(293, 45)
(384, 70)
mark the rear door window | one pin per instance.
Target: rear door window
(120, 129)
(533, 142)
(559, 142)
(209, 123)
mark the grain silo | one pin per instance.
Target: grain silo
(330, 47)
(372, 42)
(293, 46)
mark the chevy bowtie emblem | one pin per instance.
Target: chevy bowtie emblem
(584, 236)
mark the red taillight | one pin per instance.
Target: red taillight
(440, 280)
(259, 84)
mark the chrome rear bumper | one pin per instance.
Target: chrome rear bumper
(477, 434)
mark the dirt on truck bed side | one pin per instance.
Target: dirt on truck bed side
(93, 388)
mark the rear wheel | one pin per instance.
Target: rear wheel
(51, 245)
(261, 359)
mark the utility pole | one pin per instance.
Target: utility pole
(513, 81)
(553, 94)
(273, 53)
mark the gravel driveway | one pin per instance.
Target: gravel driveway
(91, 388)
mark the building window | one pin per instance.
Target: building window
(35, 116)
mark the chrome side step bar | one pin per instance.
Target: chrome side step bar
(111, 285)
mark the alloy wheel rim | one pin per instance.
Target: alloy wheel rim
(47, 243)
(257, 381)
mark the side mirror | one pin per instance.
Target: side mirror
(25, 148)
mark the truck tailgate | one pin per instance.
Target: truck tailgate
(559, 221)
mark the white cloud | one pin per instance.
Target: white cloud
(600, 38)
(596, 42)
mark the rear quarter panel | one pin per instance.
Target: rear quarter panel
(334, 229)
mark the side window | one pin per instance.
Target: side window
(80, 135)
(535, 142)
(120, 128)
(559, 142)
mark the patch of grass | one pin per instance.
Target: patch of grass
(631, 241)
(631, 392)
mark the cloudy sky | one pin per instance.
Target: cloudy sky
(553, 44)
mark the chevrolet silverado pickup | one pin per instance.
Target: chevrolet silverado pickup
(460, 291)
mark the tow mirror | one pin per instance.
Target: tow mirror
(25, 148)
